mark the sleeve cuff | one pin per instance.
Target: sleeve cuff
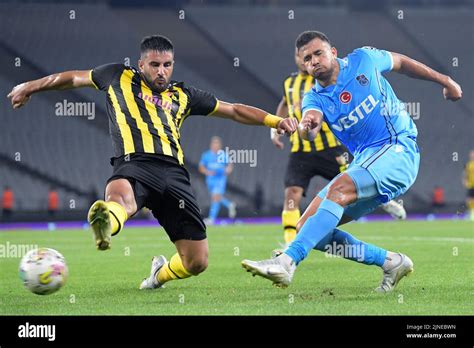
(391, 60)
(90, 77)
(215, 108)
(313, 108)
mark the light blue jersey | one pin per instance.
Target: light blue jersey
(364, 113)
(362, 109)
(366, 116)
(217, 163)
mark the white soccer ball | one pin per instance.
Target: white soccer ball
(43, 271)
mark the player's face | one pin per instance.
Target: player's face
(216, 145)
(319, 58)
(157, 68)
(299, 62)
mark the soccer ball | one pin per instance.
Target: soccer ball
(43, 271)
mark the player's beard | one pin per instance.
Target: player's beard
(155, 86)
(323, 76)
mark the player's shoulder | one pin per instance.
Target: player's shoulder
(112, 67)
(107, 74)
(312, 96)
(290, 76)
(366, 52)
(180, 84)
(185, 87)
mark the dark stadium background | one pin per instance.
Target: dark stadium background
(39, 149)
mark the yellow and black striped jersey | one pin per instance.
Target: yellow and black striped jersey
(294, 87)
(142, 120)
(469, 174)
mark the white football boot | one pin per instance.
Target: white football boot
(395, 209)
(279, 270)
(392, 276)
(151, 282)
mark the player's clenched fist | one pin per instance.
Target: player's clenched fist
(452, 90)
(309, 126)
(287, 126)
(19, 95)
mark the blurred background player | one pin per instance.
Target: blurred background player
(53, 201)
(8, 202)
(325, 156)
(468, 181)
(214, 164)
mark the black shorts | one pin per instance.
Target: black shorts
(162, 185)
(470, 193)
(303, 166)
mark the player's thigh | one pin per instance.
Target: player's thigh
(293, 195)
(121, 191)
(299, 171)
(194, 254)
(177, 209)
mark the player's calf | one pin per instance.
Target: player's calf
(163, 271)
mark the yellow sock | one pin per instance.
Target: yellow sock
(173, 269)
(289, 219)
(470, 204)
(118, 218)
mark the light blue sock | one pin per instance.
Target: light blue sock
(225, 202)
(343, 244)
(214, 211)
(314, 229)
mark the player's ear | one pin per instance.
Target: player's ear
(141, 65)
(334, 51)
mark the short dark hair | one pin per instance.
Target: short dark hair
(156, 43)
(307, 36)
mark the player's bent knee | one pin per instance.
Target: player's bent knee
(293, 192)
(196, 266)
(293, 197)
(342, 191)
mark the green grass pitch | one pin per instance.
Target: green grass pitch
(106, 283)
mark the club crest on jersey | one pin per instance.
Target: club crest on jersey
(362, 80)
(345, 97)
(359, 113)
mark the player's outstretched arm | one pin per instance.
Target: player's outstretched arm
(253, 116)
(310, 124)
(21, 93)
(410, 67)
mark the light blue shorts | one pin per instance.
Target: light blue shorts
(393, 167)
(216, 186)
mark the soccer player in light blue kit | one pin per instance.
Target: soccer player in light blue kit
(215, 166)
(360, 106)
